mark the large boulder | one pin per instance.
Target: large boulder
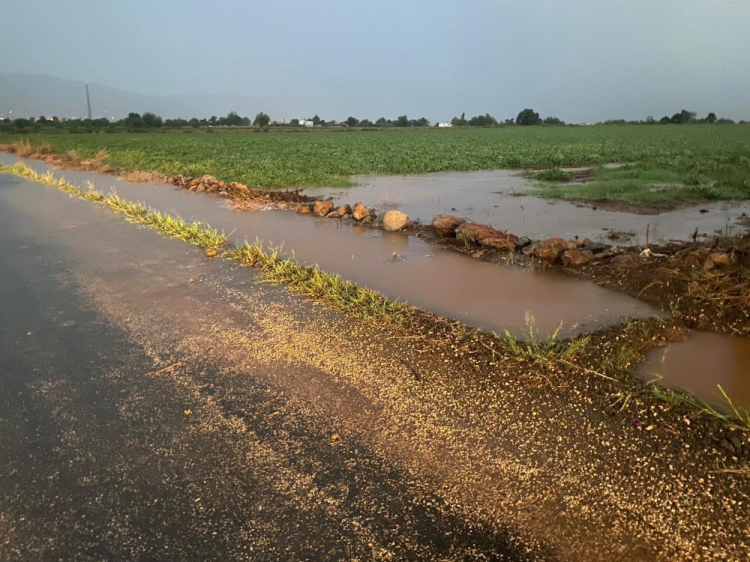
(472, 234)
(395, 220)
(551, 249)
(501, 241)
(446, 225)
(322, 208)
(577, 258)
(360, 212)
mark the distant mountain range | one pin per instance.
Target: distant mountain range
(31, 95)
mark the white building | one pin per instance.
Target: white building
(305, 123)
(444, 125)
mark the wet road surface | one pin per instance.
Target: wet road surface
(104, 457)
(156, 405)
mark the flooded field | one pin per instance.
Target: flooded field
(501, 198)
(454, 285)
(701, 363)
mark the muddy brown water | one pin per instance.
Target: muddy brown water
(701, 363)
(502, 198)
(492, 297)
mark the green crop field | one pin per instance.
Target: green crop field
(707, 161)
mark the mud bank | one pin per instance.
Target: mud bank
(402, 267)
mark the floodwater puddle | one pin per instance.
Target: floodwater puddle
(700, 363)
(450, 284)
(502, 198)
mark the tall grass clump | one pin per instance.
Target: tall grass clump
(543, 350)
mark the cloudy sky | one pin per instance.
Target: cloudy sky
(581, 60)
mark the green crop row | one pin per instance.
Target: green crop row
(698, 154)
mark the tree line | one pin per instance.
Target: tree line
(148, 120)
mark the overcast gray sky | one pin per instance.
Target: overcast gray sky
(581, 60)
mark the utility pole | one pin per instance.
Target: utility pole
(88, 101)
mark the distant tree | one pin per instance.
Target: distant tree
(553, 121)
(179, 122)
(459, 121)
(421, 122)
(382, 122)
(724, 121)
(683, 117)
(401, 121)
(194, 123)
(528, 117)
(262, 120)
(133, 120)
(151, 120)
(316, 120)
(21, 123)
(352, 121)
(213, 120)
(233, 119)
(294, 122)
(485, 120)
(665, 120)
(365, 123)
(711, 118)
(510, 121)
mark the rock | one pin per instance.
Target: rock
(395, 220)
(340, 212)
(211, 252)
(303, 210)
(576, 258)
(501, 241)
(322, 208)
(551, 249)
(717, 259)
(360, 212)
(471, 234)
(446, 225)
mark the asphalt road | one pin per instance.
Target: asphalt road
(103, 457)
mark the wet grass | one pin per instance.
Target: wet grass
(371, 306)
(730, 415)
(544, 351)
(641, 183)
(329, 288)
